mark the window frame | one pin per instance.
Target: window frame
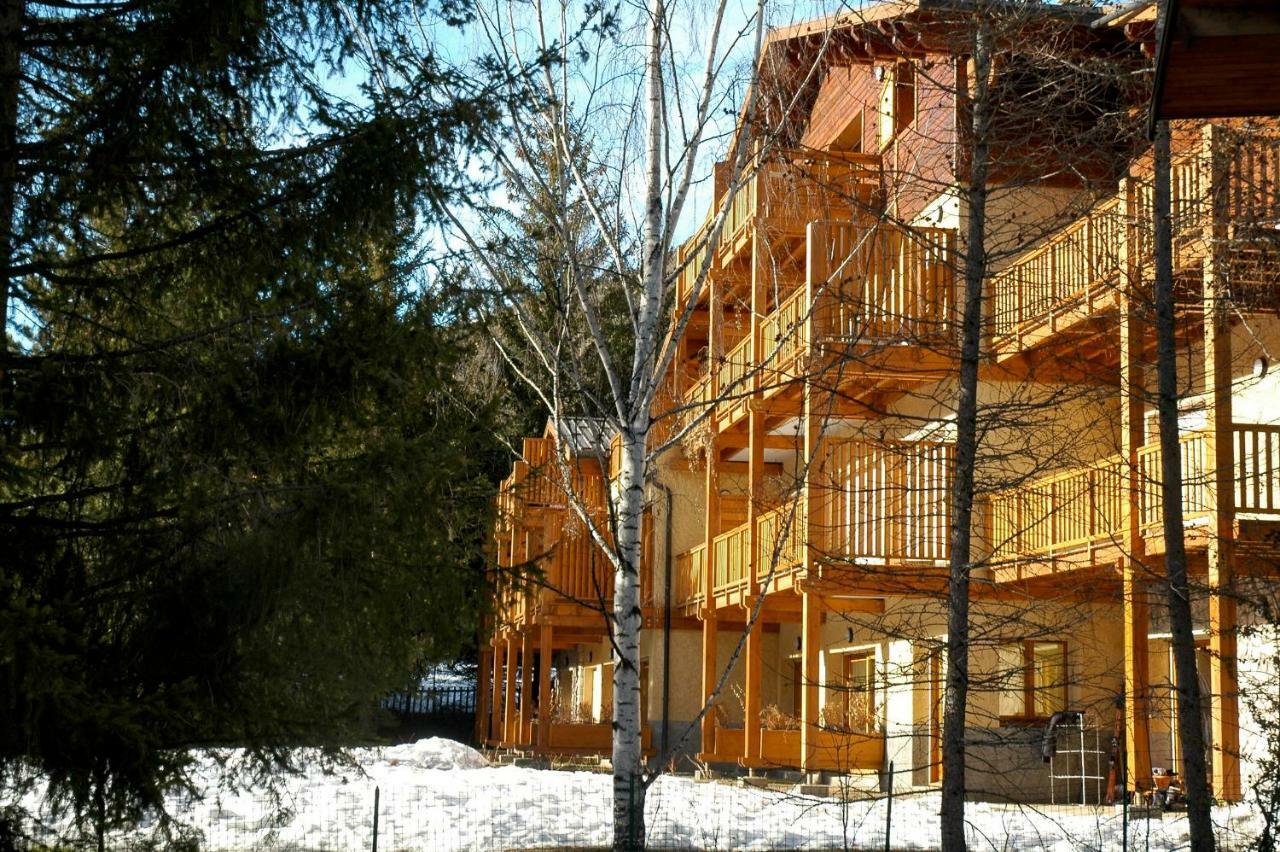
(1029, 687)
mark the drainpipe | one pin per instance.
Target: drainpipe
(666, 630)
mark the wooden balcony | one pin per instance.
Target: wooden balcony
(780, 540)
(880, 287)
(537, 524)
(1077, 272)
(882, 284)
(783, 195)
(1078, 514)
(885, 503)
(882, 503)
(691, 572)
(834, 751)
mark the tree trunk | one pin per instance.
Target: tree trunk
(957, 680)
(1190, 732)
(628, 781)
(12, 13)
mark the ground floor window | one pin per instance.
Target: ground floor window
(852, 703)
(1033, 679)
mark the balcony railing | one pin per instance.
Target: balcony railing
(1085, 260)
(729, 558)
(882, 283)
(691, 256)
(733, 375)
(1083, 256)
(783, 336)
(691, 572)
(791, 194)
(580, 570)
(780, 541)
(1084, 507)
(885, 501)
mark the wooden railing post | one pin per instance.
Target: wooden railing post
(546, 651)
(509, 701)
(526, 686)
(495, 693)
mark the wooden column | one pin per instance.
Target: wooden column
(509, 703)
(495, 695)
(483, 672)
(755, 476)
(710, 629)
(811, 607)
(1219, 457)
(526, 686)
(711, 525)
(810, 644)
(1137, 619)
(546, 655)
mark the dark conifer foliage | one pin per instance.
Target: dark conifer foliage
(238, 499)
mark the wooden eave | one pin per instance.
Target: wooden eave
(1218, 59)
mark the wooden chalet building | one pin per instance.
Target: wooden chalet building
(817, 378)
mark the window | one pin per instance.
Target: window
(897, 101)
(1033, 679)
(860, 691)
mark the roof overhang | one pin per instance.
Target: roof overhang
(1217, 59)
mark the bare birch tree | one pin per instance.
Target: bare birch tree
(570, 73)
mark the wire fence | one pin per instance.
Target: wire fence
(519, 809)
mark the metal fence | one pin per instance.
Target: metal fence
(431, 700)
(402, 808)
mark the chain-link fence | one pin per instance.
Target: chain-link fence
(518, 808)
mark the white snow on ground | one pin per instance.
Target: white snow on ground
(440, 795)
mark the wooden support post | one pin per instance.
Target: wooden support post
(546, 653)
(1137, 621)
(751, 704)
(1219, 457)
(526, 687)
(483, 673)
(811, 607)
(509, 704)
(756, 560)
(495, 695)
(810, 713)
(710, 631)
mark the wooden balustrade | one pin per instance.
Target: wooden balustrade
(780, 541)
(1195, 485)
(882, 283)
(729, 557)
(885, 501)
(1081, 256)
(733, 375)
(790, 193)
(691, 259)
(580, 569)
(1085, 258)
(783, 337)
(691, 572)
(1084, 506)
(1256, 474)
(1065, 511)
